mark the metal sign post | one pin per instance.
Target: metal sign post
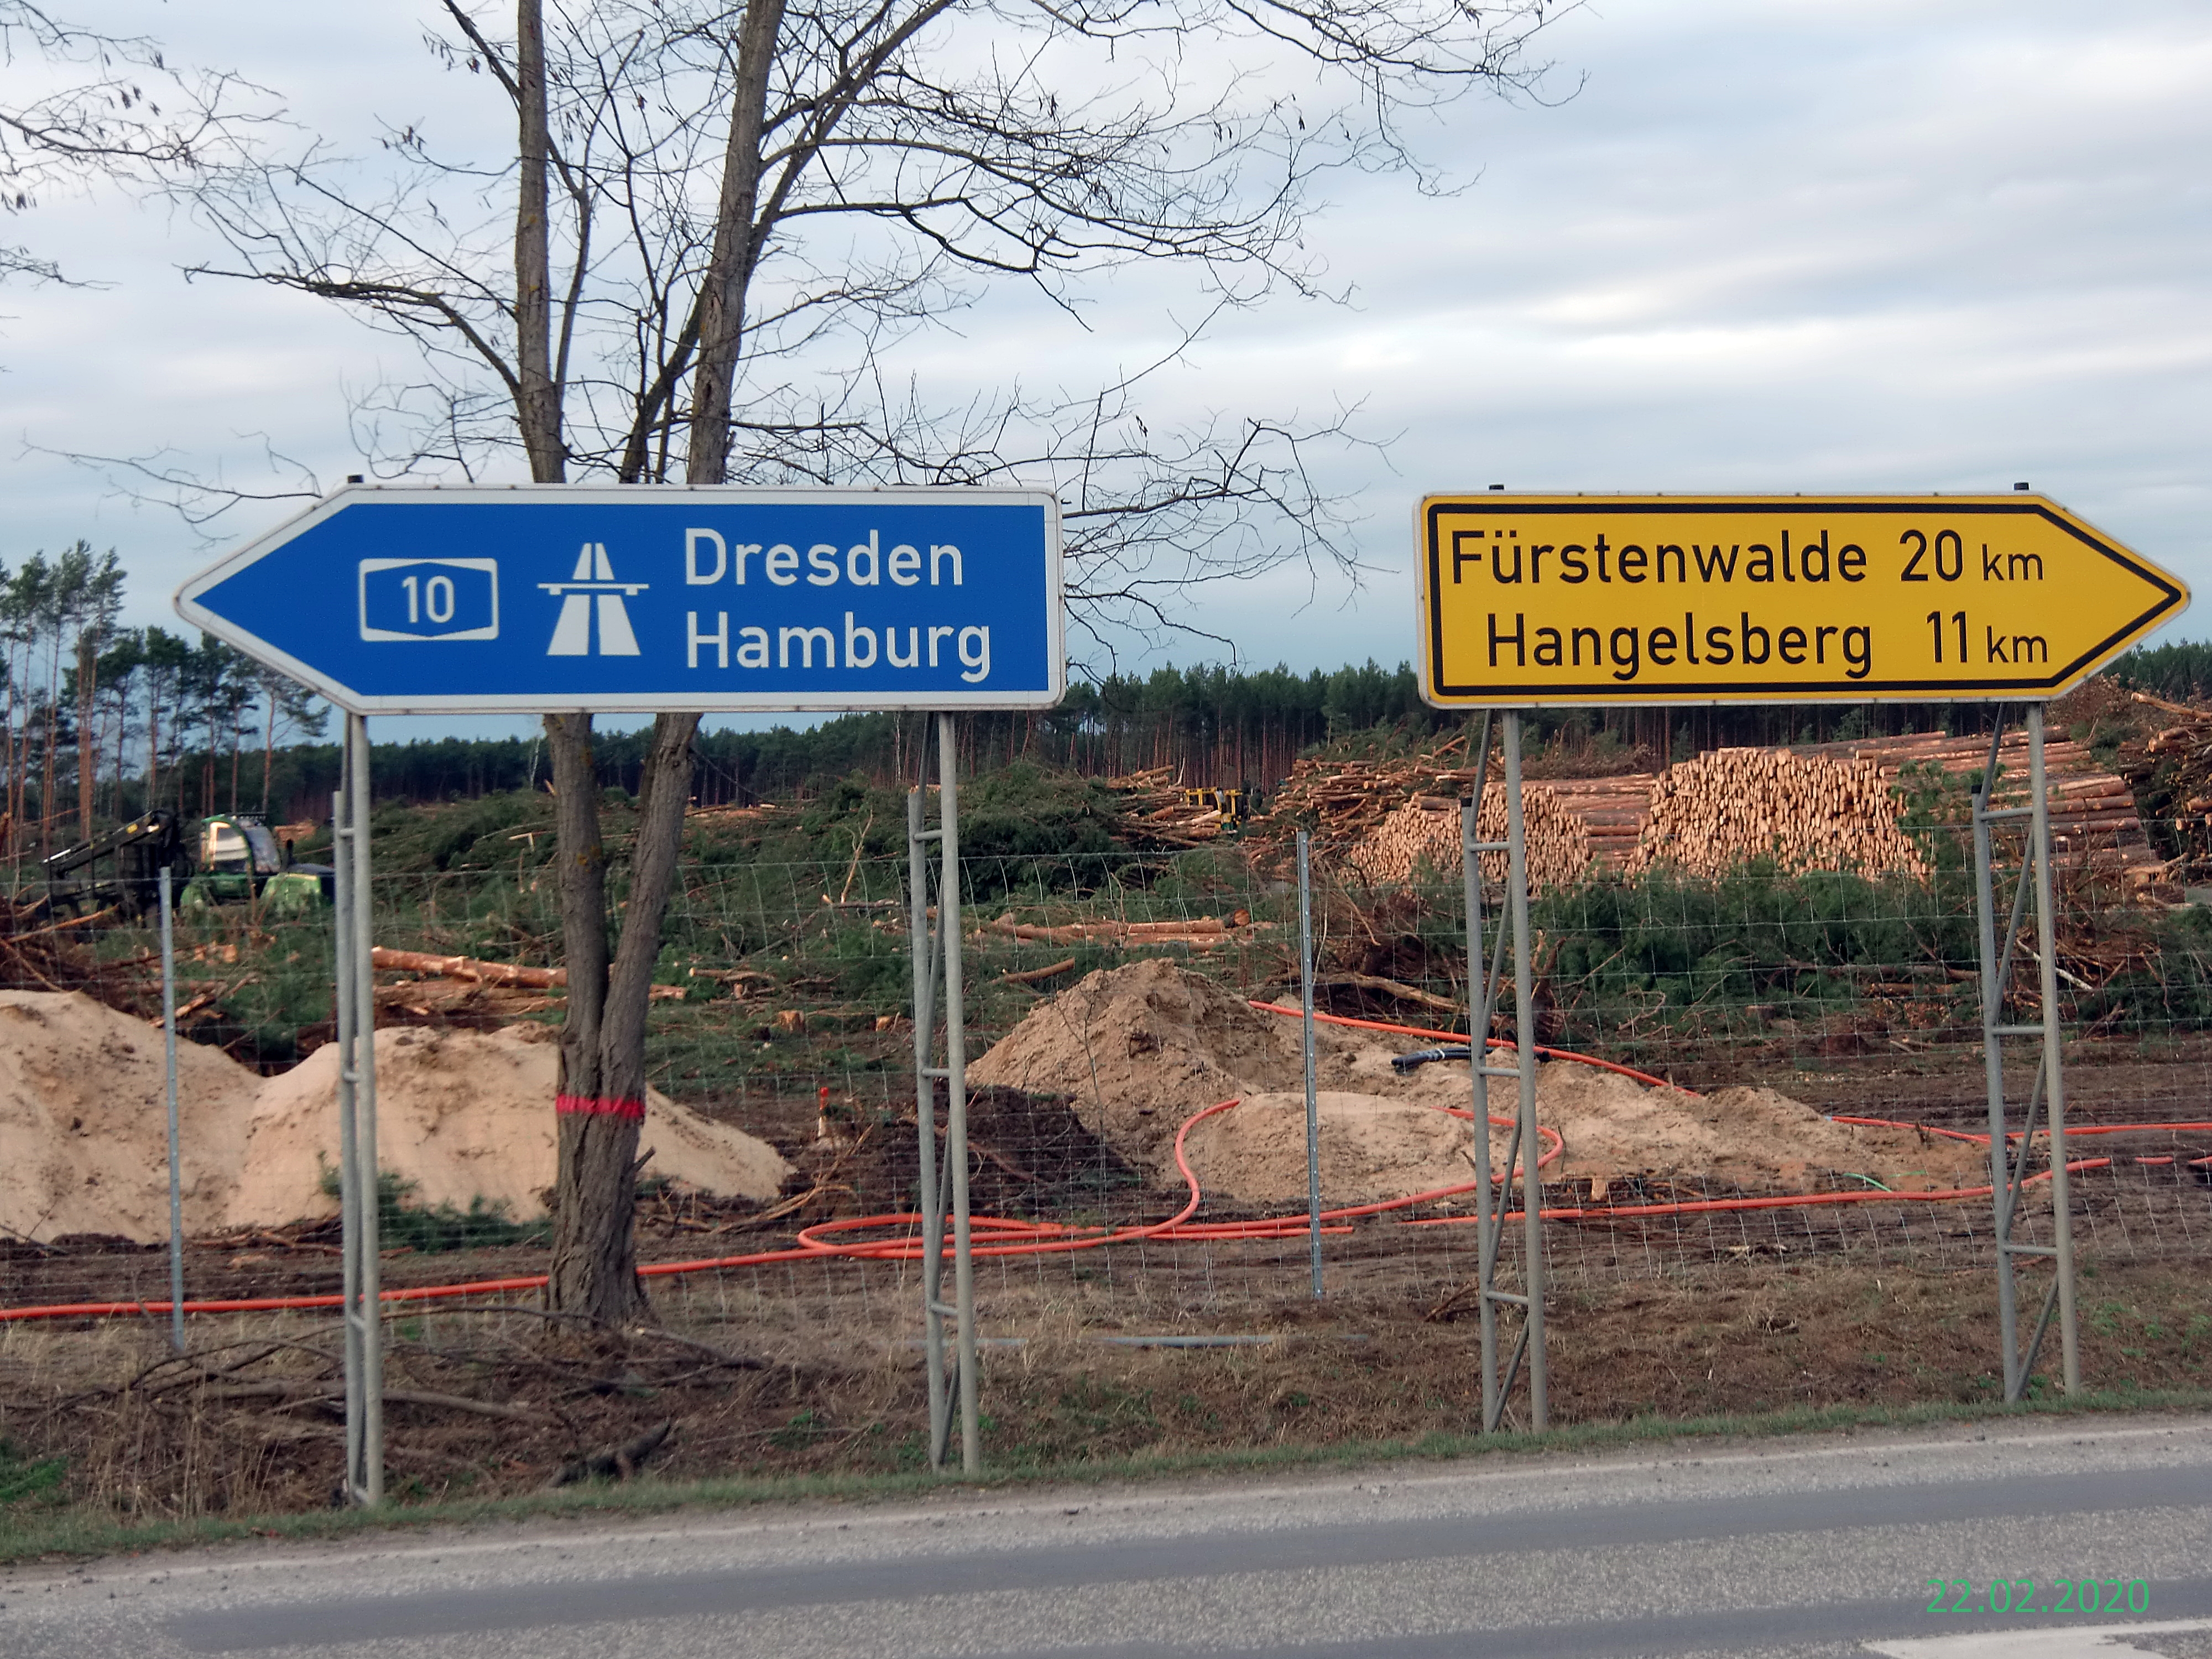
(936, 949)
(2009, 1171)
(359, 1195)
(1521, 1146)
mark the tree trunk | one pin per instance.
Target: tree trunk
(730, 265)
(46, 780)
(15, 811)
(87, 666)
(601, 1102)
(602, 1091)
(594, 1269)
(87, 769)
(122, 738)
(537, 397)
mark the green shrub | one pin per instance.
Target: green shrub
(402, 1223)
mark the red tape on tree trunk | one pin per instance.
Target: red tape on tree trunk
(597, 1106)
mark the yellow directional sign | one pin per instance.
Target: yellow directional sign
(1527, 600)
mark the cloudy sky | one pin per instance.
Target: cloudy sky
(1750, 244)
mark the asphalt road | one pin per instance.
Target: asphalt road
(1806, 1547)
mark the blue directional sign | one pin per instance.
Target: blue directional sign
(544, 597)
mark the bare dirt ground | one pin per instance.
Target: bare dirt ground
(828, 1377)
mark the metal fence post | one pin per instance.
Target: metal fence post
(1306, 1046)
(1481, 996)
(2054, 1071)
(358, 1193)
(1993, 1060)
(176, 1175)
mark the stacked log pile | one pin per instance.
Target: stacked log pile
(2095, 823)
(2172, 768)
(1344, 800)
(1804, 812)
(1824, 806)
(1613, 811)
(1427, 829)
(1154, 813)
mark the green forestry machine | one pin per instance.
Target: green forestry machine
(231, 858)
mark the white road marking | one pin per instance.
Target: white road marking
(2079, 1642)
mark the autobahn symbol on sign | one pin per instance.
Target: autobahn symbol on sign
(594, 580)
(548, 597)
(1572, 600)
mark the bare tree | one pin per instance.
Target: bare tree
(290, 710)
(97, 104)
(719, 223)
(91, 600)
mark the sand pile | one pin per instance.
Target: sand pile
(462, 1114)
(1745, 1137)
(459, 1114)
(1141, 1047)
(84, 1122)
(1371, 1149)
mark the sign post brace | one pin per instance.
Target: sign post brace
(2009, 1171)
(358, 1193)
(1521, 1146)
(952, 1381)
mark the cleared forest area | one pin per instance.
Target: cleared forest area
(1785, 979)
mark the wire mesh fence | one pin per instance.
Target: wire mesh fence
(1807, 1098)
(782, 1011)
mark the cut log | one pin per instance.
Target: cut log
(466, 968)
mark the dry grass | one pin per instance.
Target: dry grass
(245, 1424)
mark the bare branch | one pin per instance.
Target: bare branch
(741, 239)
